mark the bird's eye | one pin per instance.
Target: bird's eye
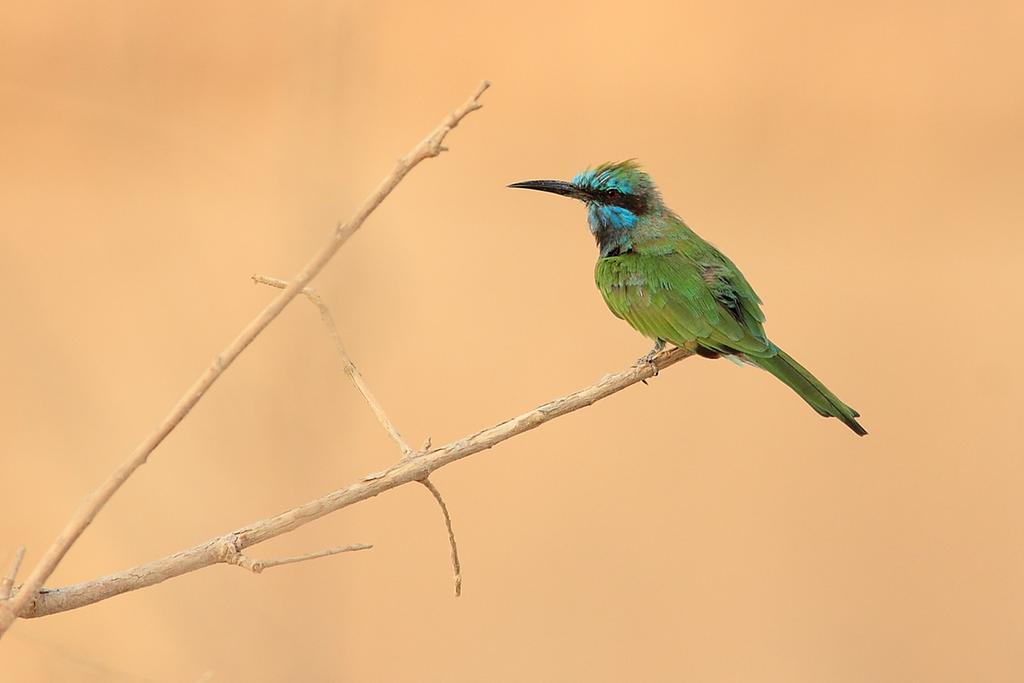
(613, 193)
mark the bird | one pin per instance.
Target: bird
(672, 286)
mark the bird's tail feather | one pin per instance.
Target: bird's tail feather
(809, 388)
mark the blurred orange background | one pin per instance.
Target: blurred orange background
(861, 162)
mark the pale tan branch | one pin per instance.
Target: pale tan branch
(257, 566)
(350, 367)
(406, 470)
(430, 146)
(7, 583)
(456, 565)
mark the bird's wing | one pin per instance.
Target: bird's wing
(678, 299)
(732, 284)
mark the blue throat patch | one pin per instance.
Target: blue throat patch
(603, 217)
(612, 228)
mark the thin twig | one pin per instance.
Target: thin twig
(257, 566)
(350, 367)
(7, 583)
(378, 410)
(431, 146)
(402, 472)
(456, 565)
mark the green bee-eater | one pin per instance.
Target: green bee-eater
(658, 275)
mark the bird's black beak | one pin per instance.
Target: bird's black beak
(555, 187)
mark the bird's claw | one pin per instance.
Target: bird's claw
(648, 359)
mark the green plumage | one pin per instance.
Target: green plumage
(670, 285)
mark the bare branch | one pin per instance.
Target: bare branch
(456, 565)
(257, 566)
(406, 470)
(7, 583)
(350, 367)
(431, 146)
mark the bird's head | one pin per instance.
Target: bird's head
(618, 197)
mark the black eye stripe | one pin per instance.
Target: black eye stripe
(634, 202)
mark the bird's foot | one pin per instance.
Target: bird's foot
(648, 359)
